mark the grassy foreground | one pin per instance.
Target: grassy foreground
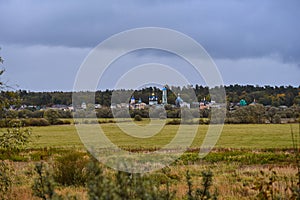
(249, 160)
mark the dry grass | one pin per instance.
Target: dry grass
(231, 180)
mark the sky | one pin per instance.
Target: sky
(44, 43)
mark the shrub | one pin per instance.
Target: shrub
(3, 123)
(99, 187)
(204, 191)
(276, 119)
(123, 185)
(70, 169)
(36, 122)
(15, 138)
(138, 118)
(11, 114)
(104, 112)
(66, 122)
(52, 116)
(38, 114)
(173, 113)
(174, 122)
(58, 122)
(120, 113)
(43, 185)
(204, 121)
(25, 113)
(5, 179)
(162, 116)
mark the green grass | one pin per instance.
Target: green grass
(254, 136)
(60, 136)
(241, 153)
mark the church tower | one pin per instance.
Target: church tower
(164, 96)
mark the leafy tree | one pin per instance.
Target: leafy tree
(52, 116)
(271, 112)
(7, 98)
(15, 138)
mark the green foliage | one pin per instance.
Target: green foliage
(250, 114)
(267, 95)
(296, 148)
(277, 119)
(98, 186)
(174, 122)
(15, 138)
(123, 185)
(243, 156)
(138, 118)
(203, 192)
(5, 179)
(70, 169)
(104, 112)
(27, 122)
(52, 116)
(7, 98)
(36, 122)
(43, 184)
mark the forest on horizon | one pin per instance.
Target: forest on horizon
(265, 95)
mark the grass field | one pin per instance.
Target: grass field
(245, 157)
(254, 136)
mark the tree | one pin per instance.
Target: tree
(7, 98)
(52, 116)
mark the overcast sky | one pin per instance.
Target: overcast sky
(252, 42)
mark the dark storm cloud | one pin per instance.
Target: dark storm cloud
(227, 29)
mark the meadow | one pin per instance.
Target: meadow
(249, 161)
(253, 136)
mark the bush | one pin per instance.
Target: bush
(123, 185)
(70, 169)
(5, 179)
(52, 116)
(3, 123)
(43, 185)
(138, 118)
(15, 138)
(204, 191)
(38, 114)
(162, 116)
(276, 119)
(11, 114)
(58, 122)
(66, 122)
(36, 122)
(25, 113)
(174, 122)
(204, 121)
(104, 112)
(173, 113)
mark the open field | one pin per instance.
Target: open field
(246, 157)
(254, 136)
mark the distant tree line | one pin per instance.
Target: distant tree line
(265, 95)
